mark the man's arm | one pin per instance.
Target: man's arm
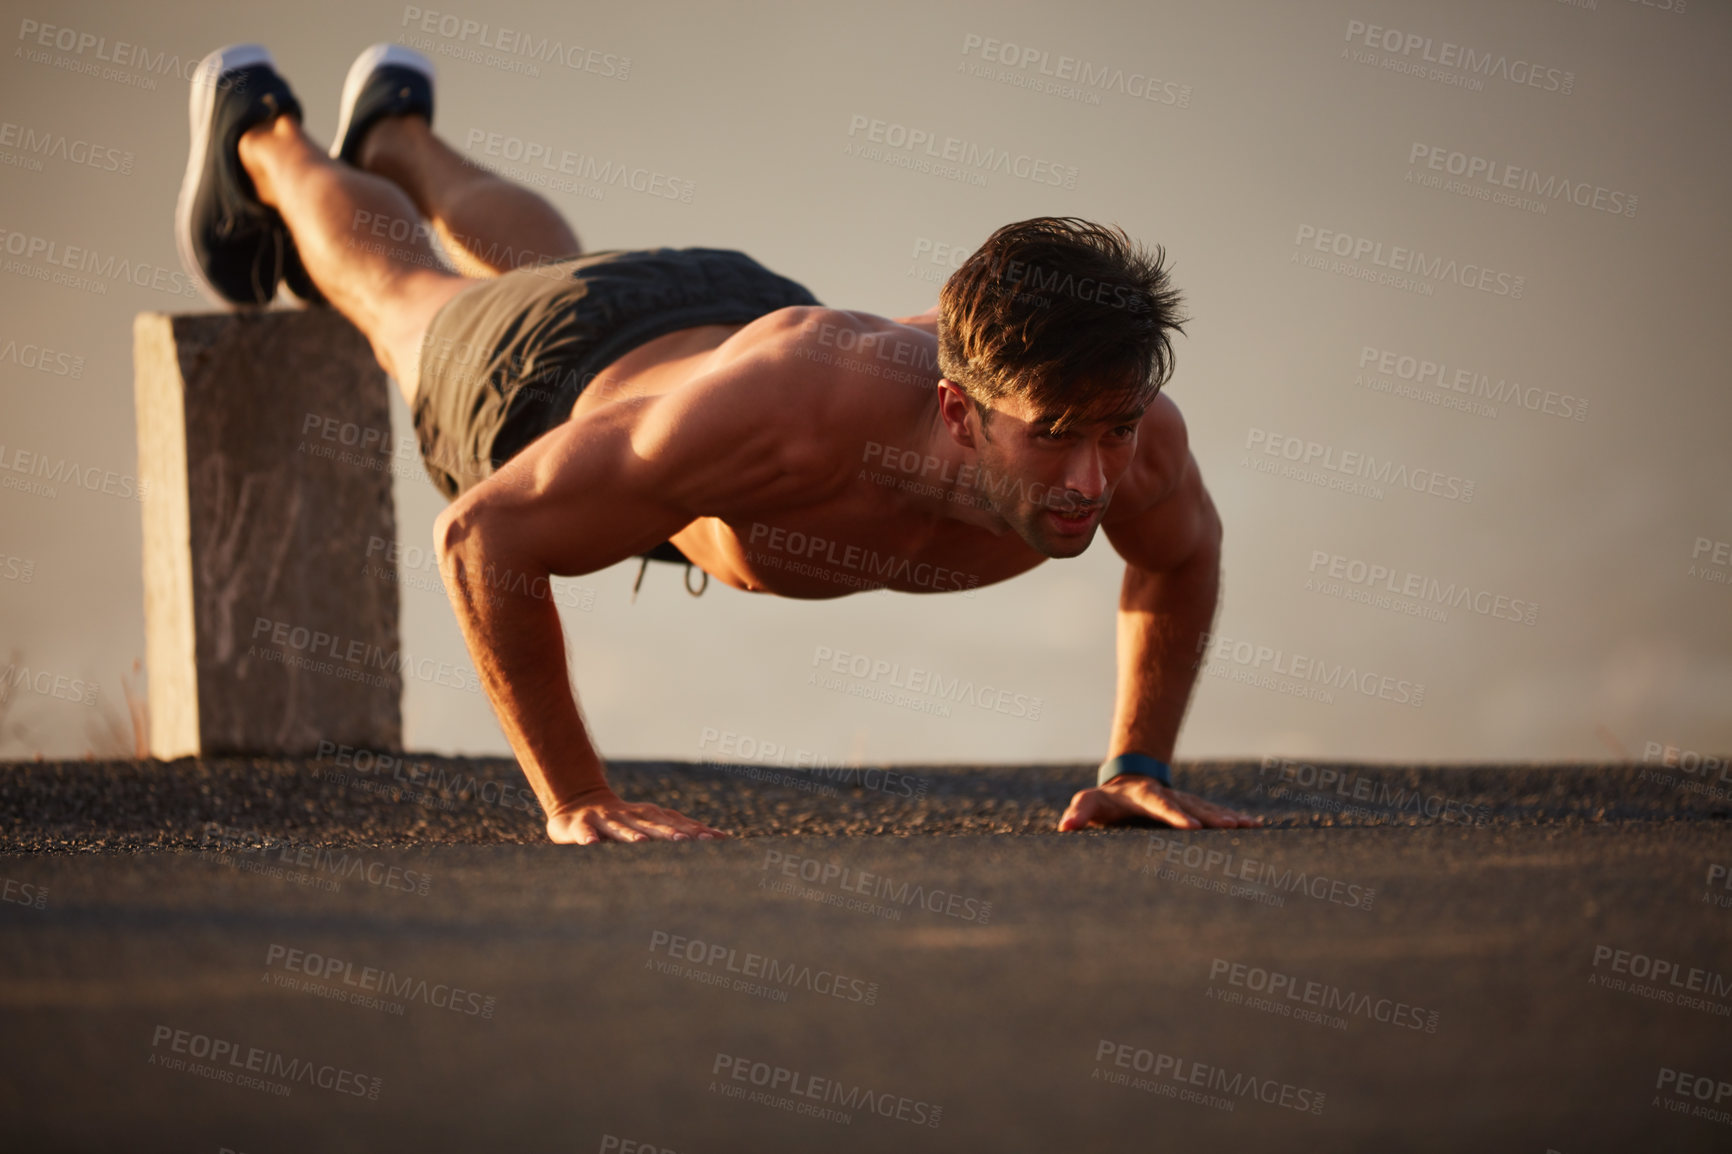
(1167, 602)
(597, 490)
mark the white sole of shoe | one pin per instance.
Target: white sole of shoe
(200, 105)
(376, 57)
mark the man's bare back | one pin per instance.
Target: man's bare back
(893, 502)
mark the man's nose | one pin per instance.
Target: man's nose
(1085, 474)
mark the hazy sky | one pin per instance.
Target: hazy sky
(1458, 274)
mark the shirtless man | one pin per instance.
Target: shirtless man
(691, 405)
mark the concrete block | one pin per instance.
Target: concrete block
(261, 633)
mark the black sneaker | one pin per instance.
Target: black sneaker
(385, 80)
(229, 242)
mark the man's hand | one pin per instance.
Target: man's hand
(609, 817)
(1134, 795)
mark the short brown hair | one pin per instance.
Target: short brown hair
(1063, 312)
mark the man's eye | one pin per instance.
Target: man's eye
(1125, 431)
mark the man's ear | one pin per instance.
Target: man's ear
(955, 408)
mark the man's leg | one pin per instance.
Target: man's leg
(488, 224)
(391, 289)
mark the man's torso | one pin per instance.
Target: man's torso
(885, 516)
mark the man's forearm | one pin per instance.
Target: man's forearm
(515, 639)
(1162, 616)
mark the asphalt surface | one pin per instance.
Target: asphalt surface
(256, 955)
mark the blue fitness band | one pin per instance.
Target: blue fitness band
(1136, 763)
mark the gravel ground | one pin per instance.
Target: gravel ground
(95, 806)
(254, 956)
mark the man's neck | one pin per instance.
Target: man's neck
(957, 475)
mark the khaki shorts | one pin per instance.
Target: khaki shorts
(504, 361)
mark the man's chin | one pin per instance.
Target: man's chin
(1061, 545)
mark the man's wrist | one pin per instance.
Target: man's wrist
(1138, 763)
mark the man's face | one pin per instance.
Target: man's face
(1052, 487)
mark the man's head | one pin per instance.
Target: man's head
(1056, 333)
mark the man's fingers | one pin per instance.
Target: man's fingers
(1164, 804)
(1181, 810)
(687, 825)
(1219, 816)
(615, 828)
(675, 824)
(1206, 812)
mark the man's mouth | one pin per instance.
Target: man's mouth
(1073, 519)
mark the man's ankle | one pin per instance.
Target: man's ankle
(262, 143)
(391, 146)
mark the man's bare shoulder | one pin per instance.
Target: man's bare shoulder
(1163, 457)
(795, 396)
(1161, 515)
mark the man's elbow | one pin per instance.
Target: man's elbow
(450, 531)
